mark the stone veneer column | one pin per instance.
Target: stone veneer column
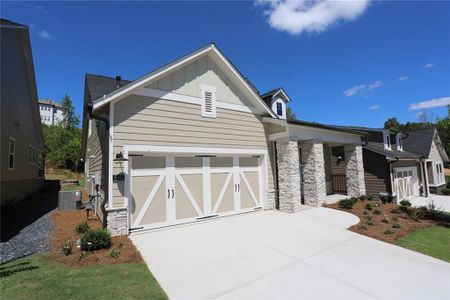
(288, 176)
(117, 222)
(354, 170)
(314, 188)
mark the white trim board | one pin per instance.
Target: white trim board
(214, 53)
(191, 150)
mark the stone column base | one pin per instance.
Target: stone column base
(117, 221)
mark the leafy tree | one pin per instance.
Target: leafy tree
(290, 115)
(443, 128)
(64, 140)
(392, 124)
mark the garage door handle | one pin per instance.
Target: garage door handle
(168, 193)
(173, 194)
(239, 187)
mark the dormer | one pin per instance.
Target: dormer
(277, 100)
(387, 140)
(398, 141)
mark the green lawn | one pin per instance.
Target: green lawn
(433, 241)
(37, 278)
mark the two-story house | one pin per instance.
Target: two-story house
(22, 141)
(50, 111)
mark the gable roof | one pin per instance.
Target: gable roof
(267, 97)
(419, 141)
(99, 85)
(391, 153)
(50, 102)
(212, 51)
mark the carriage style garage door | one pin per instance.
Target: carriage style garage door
(172, 189)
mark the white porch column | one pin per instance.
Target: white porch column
(354, 170)
(314, 189)
(288, 176)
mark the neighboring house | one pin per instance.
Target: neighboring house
(22, 142)
(427, 144)
(195, 140)
(395, 162)
(51, 113)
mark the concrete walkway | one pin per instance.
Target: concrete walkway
(268, 255)
(442, 202)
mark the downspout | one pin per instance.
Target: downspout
(89, 108)
(277, 183)
(425, 176)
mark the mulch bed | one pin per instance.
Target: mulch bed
(64, 223)
(377, 230)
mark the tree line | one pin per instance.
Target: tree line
(63, 140)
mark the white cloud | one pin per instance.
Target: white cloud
(438, 102)
(296, 17)
(374, 107)
(403, 78)
(428, 65)
(44, 34)
(362, 88)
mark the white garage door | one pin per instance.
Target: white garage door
(168, 190)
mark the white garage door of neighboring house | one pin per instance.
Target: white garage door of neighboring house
(406, 182)
(168, 190)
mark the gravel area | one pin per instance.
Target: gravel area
(32, 239)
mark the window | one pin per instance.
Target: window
(12, 153)
(387, 140)
(399, 142)
(208, 101)
(279, 109)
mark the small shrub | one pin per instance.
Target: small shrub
(82, 227)
(415, 213)
(377, 211)
(405, 203)
(385, 220)
(368, 218)
(396, 210)
(362, 227)
(386, 199)
(446, 191)
(389, 231)
(66, 248)
(369, 206)
(370, 223)
(396, 225)
(346, 203)
(369, 197)
(362, 197)
(83, 255)
(114, 253)
(365, 212)
(395, 219)
(354, 199)
(95, 239)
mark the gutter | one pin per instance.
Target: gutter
(89, 108)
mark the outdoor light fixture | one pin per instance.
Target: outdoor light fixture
(119, 157)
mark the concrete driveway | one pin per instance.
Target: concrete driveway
(442, 202)
(279, 255)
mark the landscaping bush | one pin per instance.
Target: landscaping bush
(396, 210)
(385, 220)
(82, 227)
(362, 227)
(369, 197)
(415, 213)
(396, 225)
(114, 253)
(405, 203)
(446, 191)
(362, 197)
(83, 255)
(386, 199)
(377, 211)
(365, 212)
(369, 206)
(370, 223)
(95, 239)
(347, 203)
(437, 215)
(389, 231)
(66, 248)
(368, 218)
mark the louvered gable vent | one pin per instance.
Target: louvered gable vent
(209, 101)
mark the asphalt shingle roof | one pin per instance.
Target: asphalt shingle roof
(99, 85)
(419, 141)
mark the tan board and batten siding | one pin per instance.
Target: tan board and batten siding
(143, 120)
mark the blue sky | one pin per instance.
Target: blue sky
(357, 65)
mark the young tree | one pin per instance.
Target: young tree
(70, 120)
(290, 115)
(443, 128)
(392, 124)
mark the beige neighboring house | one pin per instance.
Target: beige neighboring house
(50, 111)
(195, 140)
(22, 142)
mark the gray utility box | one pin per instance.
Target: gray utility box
(69, 200)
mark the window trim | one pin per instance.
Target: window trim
(399, 142)
(13, 153)
(387, 140)
(279, 107)
(208, 89)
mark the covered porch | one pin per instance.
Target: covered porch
(316, 164)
